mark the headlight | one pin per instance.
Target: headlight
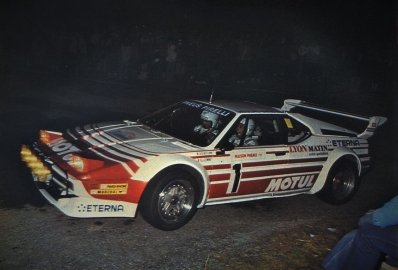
(46, 136)
(82, 164)
(77, 162)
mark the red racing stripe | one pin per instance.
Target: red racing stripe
(220, 177)
(217, 191)
(133, 166)
(281, 171)
(285, 161)
(218, 167)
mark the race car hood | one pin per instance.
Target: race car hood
(126, 138)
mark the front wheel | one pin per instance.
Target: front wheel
(341, 184)
(170, 200)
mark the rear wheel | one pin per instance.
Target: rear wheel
(341, 184)
(170, 200)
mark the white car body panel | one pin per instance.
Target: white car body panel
(226, 175)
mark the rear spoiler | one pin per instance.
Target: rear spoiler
(374, 121)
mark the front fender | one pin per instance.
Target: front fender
(156, 164)
(334, 156)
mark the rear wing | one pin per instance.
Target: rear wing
(373, 121)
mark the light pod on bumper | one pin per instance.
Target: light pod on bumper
(39, 170)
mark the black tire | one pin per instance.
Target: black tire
(170, 200)
(341, 184)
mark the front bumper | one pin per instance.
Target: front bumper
(74, 205)
(70, 196)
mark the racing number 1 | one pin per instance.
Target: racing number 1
(236, 168)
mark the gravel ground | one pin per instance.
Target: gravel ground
(287, 233)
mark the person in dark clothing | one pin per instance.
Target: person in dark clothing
(375, 240)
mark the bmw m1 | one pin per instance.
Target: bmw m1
(195, 153)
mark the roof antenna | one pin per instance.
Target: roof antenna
(213, 87)
(211, 96)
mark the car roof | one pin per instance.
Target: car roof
(242, 106)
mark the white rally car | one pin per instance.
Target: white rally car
(196, 153)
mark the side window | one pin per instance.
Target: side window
(244, 133)
(264, 130)
(273, 129)
(295, 130)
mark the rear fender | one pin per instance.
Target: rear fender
(335, 156)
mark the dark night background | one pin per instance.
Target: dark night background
(340, 54)
(68, 63)
(317, 50)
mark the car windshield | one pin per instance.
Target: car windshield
(191, 121)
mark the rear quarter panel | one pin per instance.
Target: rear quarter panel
(354, 149)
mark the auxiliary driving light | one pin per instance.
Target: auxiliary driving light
(39, 170)
(26, 154)
(35, 164)
(25, 151)
(30, 159)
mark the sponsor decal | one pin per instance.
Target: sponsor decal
(289, 183)
(215, 110)
(288, 123)
(207, 108)
(317, 148)
(298, 148)
(62, 147)
(89, 208)
(205, 159)
(110, 189)
(250, 155)
(344, 143)
(206, 153)
(307, 148)
(193, 104)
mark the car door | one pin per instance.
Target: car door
(296, 171)
(253, 165)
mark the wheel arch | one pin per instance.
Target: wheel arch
(167, 164)
(336, 156)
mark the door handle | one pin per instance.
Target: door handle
(220, 152)
(278, 153)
